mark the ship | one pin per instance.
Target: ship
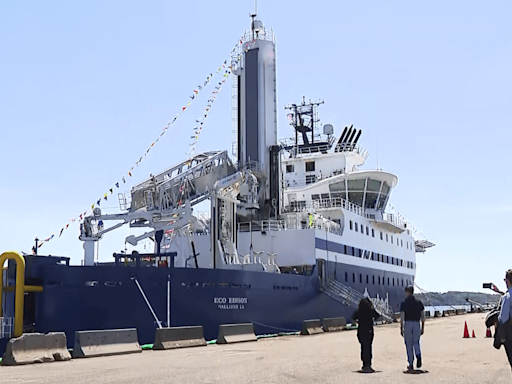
(296, 229)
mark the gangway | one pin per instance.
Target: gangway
(349, 296)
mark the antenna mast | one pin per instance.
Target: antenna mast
(253, 17)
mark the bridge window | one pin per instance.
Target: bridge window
(310, 179)
(373, 185)
(310, 166)
(315, 197)
(370, 200)
(289, 168)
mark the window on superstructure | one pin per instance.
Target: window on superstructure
(373, 279)
(393, 260)
(360, 278)
(387, 239)
(402, 282)
(391, 239)
(350, 223)
(310, 166)
(388, 280)
(393, 281)
(315, 197)
(346, 277)
(367, 231)
(353, 277)
(357, 227)
(362, 229)
(310, 179)
(379, 281)
(289, 168)
(373, 232)
(401, 243)
(367, 279)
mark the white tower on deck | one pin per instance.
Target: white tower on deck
(254, 66)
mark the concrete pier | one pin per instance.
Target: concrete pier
(322, 358)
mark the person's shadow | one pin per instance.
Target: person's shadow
(361, 371)
(416, 372)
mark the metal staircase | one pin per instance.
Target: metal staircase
(349, 296)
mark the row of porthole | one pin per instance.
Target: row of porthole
(391, 281)
(283, 287)
(357, 252)
(356, 226)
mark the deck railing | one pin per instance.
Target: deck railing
(332, 202)
(6, 327)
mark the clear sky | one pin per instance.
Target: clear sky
(85, 87)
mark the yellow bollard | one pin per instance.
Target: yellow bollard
(20, 288)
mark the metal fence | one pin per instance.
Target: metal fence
(6, 327)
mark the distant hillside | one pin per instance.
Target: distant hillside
(456, 298)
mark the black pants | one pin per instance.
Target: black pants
(365, 338)
(508, 349)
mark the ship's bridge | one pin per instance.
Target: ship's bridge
(369, 189)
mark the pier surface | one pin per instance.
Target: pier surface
(324, 358)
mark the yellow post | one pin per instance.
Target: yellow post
(20, 288)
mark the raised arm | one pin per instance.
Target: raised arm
(505, 309)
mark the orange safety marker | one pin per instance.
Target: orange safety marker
(466, 332)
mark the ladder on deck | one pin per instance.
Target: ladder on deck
(349, 296)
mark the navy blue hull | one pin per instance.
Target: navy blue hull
(107, 297)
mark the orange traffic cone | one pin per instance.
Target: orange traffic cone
(488, 333)
(473, 333)
(466, 332)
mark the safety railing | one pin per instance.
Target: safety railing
(348, 295)
(332, 202)
(262, 226)
(6, 327)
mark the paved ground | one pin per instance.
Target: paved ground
(325, 358)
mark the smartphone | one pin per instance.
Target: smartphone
(488, 285)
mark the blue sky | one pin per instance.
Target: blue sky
(85, 87)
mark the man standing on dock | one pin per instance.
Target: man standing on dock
(505, 314)
(411, 312)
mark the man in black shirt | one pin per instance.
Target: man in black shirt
(411, 312)
(365, 315)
